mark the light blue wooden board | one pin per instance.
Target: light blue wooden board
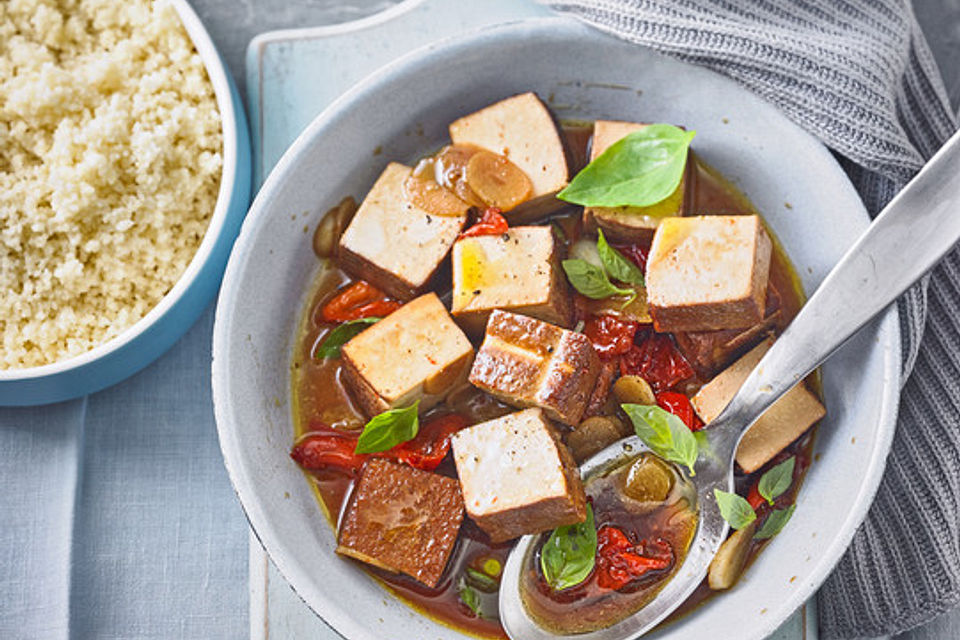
(291, 76)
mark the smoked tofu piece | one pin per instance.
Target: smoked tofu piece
(628, 224)
(403, 520)
(517, 477)
(392, 244)
(416, 353)
(529, 363)
(517, 271)
(707, 273)
(783, 423)
(710, 351)
(523, 130)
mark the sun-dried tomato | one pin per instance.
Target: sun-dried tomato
(328, 448)
(620, 562)
(636, 254)
(490, 224)
(610, 336)
(679, 405)
(655, 358)
(359, 300)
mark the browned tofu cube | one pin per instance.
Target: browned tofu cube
(529, 363)
(403, 520)
(710, 351)
(522, 129)
(628, 224)
(393, 244)
(416, 353)
(708, 272)
(517, 477)
(517, 271)
(794, 413)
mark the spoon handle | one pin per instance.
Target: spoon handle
(911, 234)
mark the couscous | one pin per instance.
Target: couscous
(110, 164)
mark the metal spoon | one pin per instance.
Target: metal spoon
(905, 241)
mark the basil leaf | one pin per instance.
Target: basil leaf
(388, 429)
(617, 265)
(470, 597)
(664, 433)
(638, 170)
(481, 580)
(568, 555)
(777, 480)
(592, 281)
(341, 335)
(775, 522)
(735, 509)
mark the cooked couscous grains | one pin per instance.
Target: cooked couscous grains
(110, 162)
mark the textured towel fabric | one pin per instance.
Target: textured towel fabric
(858, 75)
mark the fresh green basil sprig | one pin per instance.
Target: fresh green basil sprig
(665, 434)
(774, 483)
(639, 170)
(735, 509)
(616, 264)
(388, 429)
(594, 281)
(341, 335)
(777, 480)
(569, 554)
(775, 523)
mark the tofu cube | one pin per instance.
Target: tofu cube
(393, 244)
(628, 224)
(518, 271)
(522, 129)
(517, 477)
(529, 363)
(416, 353)
(710, 351)
(794, 413)
(402, 520)
(708, 272)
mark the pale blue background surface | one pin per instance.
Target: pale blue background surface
(117, 519)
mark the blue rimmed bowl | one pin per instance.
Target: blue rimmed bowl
(142, 343)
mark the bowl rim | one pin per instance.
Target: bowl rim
(217, 74)
(333, 615)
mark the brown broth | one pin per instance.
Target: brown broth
(319, 397)
(588, 606)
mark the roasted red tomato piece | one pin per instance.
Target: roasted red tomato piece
(610, 336)
(431, 444)
(359, 300)
(620, 562)
(635, 253)
(328, 448)
(490, 224)
(655, 358)
(679, 405)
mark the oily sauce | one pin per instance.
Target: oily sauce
(320, 398)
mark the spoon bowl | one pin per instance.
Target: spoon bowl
(711, 532)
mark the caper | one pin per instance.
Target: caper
(592, 435)
(633, 390)
(649, 479)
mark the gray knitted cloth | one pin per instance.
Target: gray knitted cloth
(858, 75)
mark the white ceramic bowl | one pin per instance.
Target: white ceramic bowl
(405, 108)
(163, 325)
